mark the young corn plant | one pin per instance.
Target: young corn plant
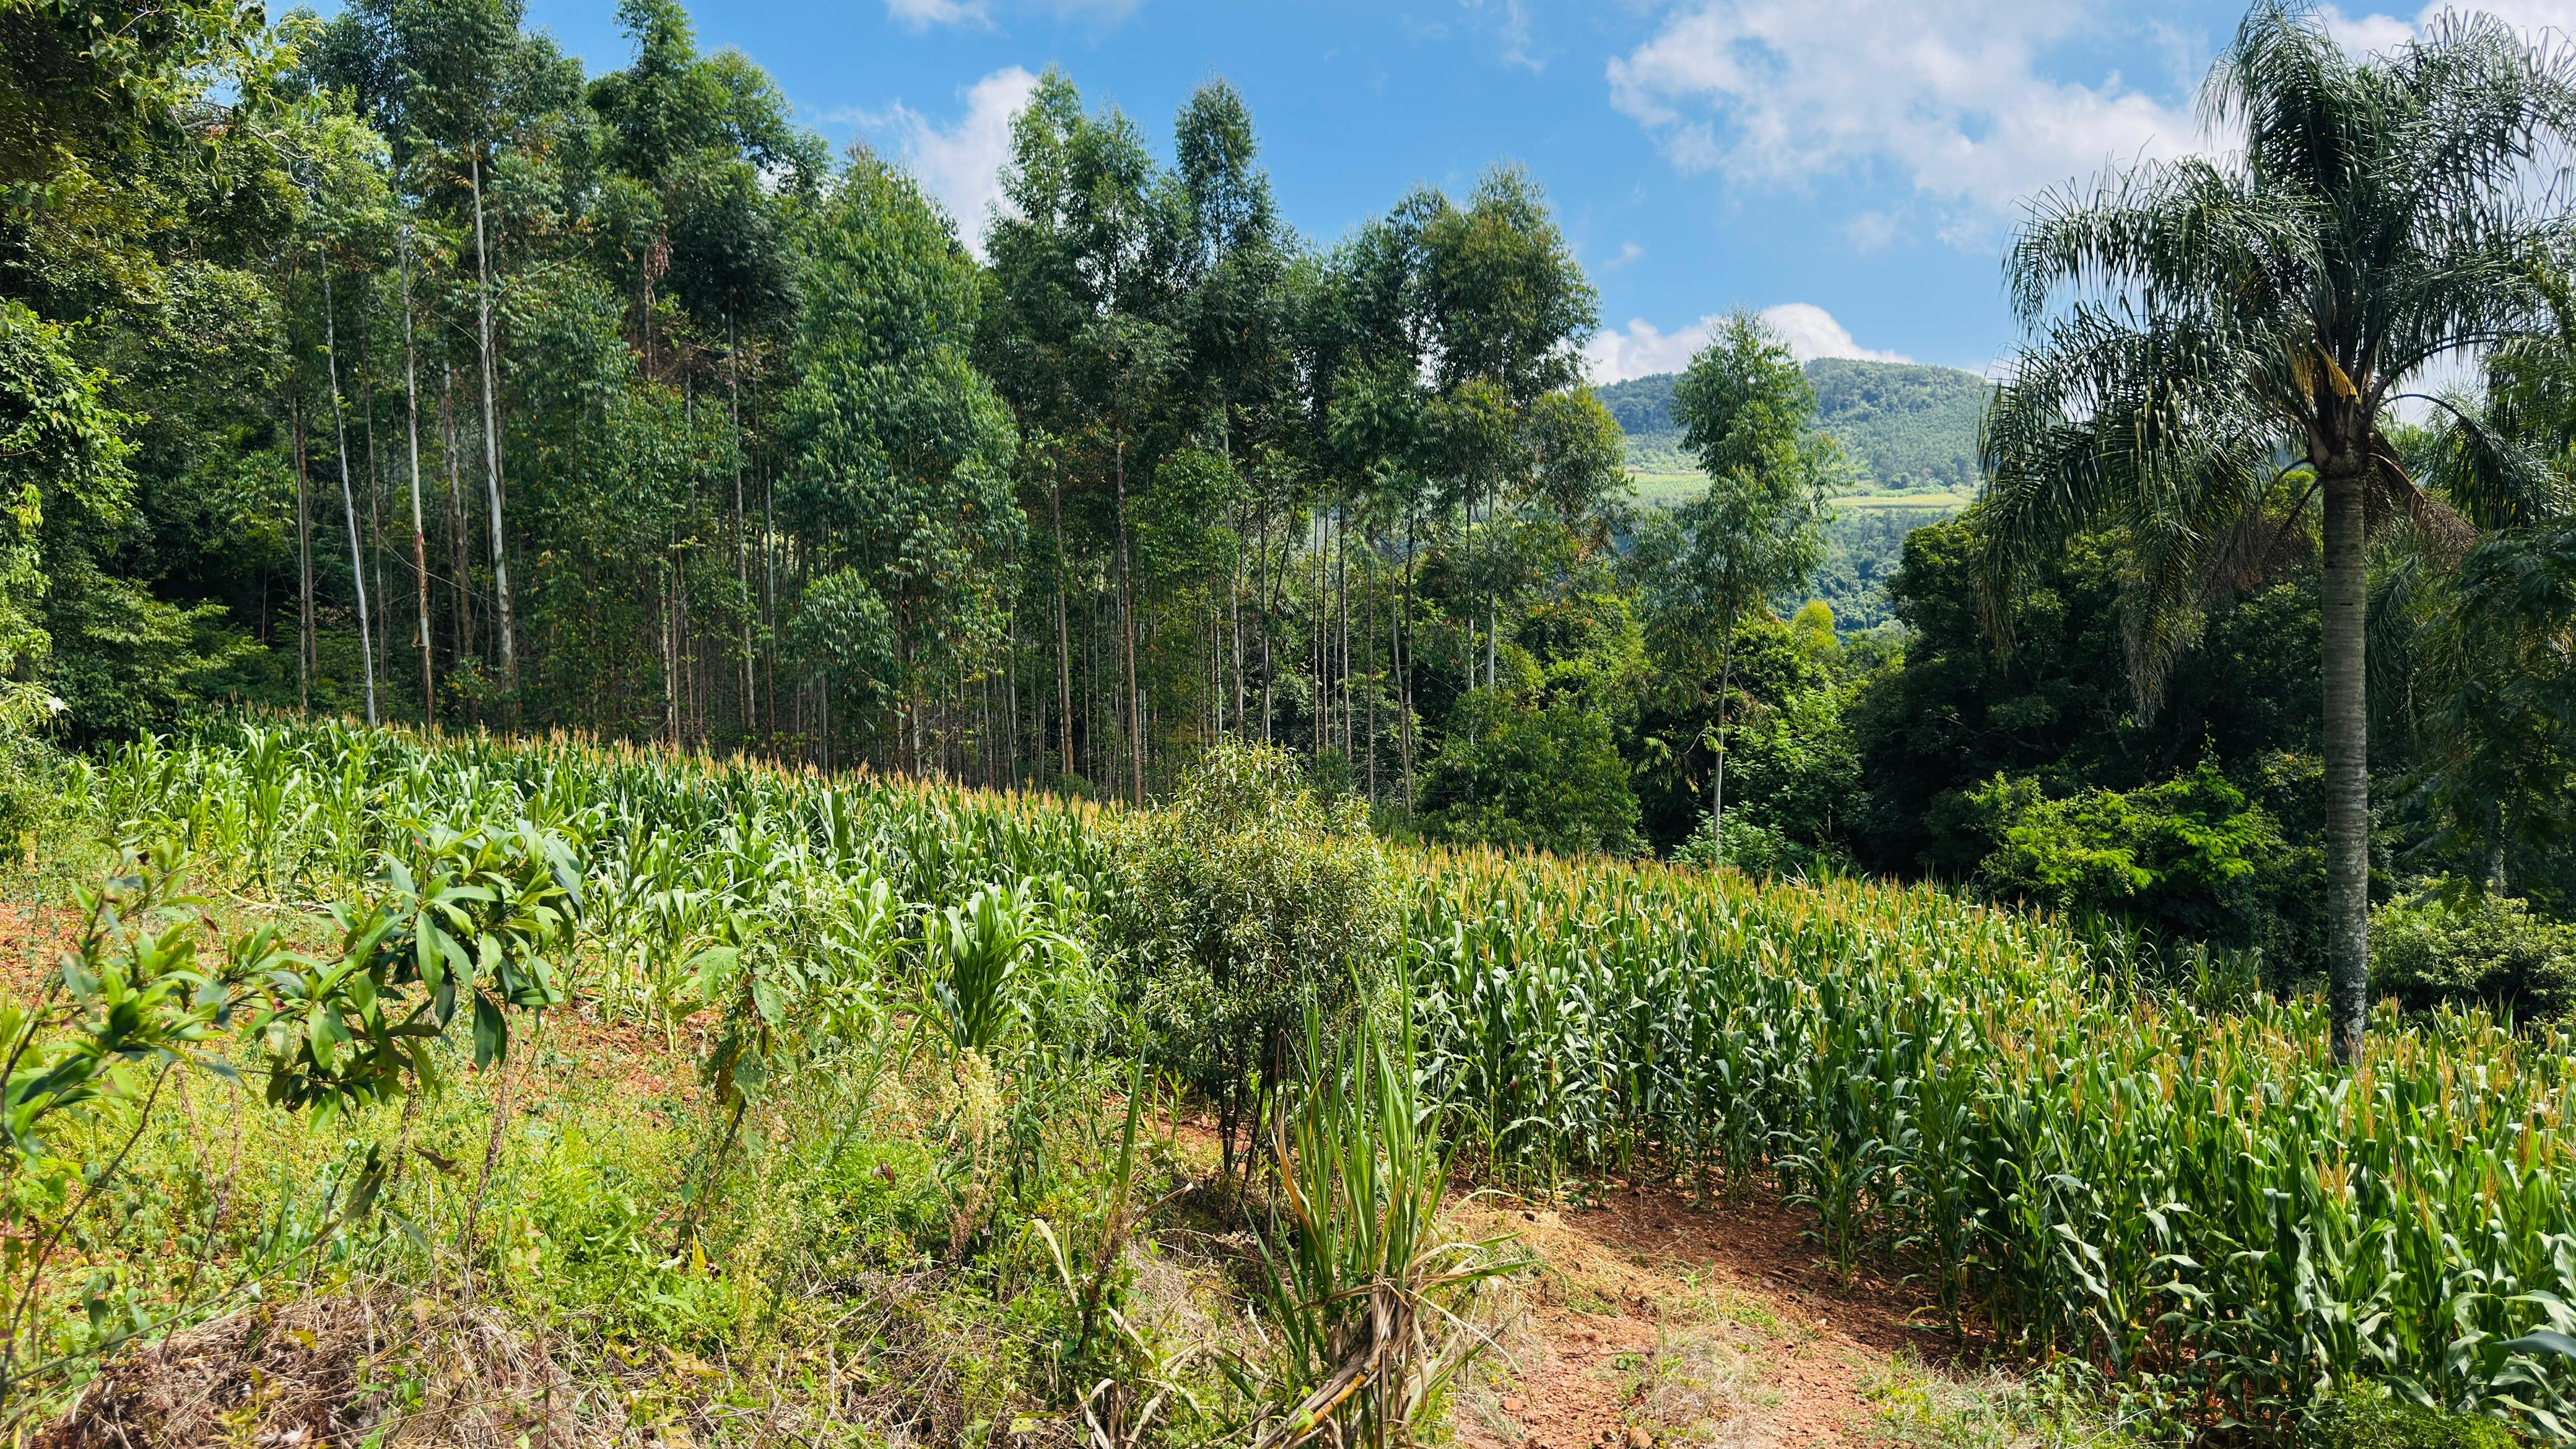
(1365, 1288)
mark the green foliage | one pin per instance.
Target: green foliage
(131, 995)
(2193, 857)
(2451, 945)
(1978, 1092)
(2367, 1418)
(1905, 426)
(1003, 962)
(1790, 748)
(1529, 776)
(1956, 709)
(1245, 903)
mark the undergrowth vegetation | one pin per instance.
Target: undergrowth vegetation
(924, 1182)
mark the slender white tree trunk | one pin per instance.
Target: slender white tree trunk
(492, 436)
(419, 534)
(348, 498)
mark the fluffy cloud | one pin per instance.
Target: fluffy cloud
(922, 14)
(1643, 348)
(2369, 32)
(1616, 356)
(1812, 332)
(961, 165)
(1961, 105)
(1947, 97)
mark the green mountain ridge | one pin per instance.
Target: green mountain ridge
(1907, 427)
(1909, 430)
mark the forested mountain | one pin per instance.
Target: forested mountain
(1905, 427)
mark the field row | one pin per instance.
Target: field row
(2175, 1184)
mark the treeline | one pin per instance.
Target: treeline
(394, 366)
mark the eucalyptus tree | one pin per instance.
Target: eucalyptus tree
(1085, 337)
(1748, 418)
(900, 452)
(440, 77)
(2214, 343)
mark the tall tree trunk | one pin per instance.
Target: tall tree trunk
(1063, 634)
(1725, 687)
(492, 440)
(2347, 756)
(1127, 638)
(741, 528)
(1493, 596)
(348, 499)
(303, 564)
(460, 527)
(1403, 643)
(1268, 621)
(375, 514)
(419, 534)
(1234, 622)
(1368, 652)
(769, 594)
(1342, 593)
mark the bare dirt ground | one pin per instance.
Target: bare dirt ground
(1649, 1320)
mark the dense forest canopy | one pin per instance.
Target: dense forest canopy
(395, 365)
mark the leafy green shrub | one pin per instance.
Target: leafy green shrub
(1756, 847)
(1248, 902)
(2359, 1418)
(2192, 857)
(2450, 946)
(1545, 777)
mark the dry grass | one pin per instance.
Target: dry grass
(338, 1369)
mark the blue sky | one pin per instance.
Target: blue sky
(1852, 166)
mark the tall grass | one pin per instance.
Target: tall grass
(2194, 1199)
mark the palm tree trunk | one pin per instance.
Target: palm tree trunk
(2347, 760)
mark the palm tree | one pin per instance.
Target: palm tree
(2211, 346)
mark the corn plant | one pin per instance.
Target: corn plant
(1364, 1285)
(2164, 1174)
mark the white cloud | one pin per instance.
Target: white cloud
(922, 14)
(1812, 332)
(1643, 348)
(961, 165)
(1628, 252)
(1946, 96)
(2373, 32)
(1615, 356)
(1963, 106)
(1511, 28)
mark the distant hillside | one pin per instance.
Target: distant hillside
(1907, 427)
(1910, 431)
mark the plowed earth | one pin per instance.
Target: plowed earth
(1649, 1319)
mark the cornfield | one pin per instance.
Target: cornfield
(2179, 1189)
